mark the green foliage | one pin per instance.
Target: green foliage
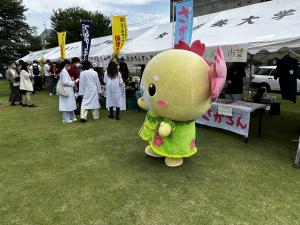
(69, 20)
(17, 38)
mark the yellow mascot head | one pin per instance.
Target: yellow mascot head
(179, 84)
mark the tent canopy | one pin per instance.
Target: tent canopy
(267, 26)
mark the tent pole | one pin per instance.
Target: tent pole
(173, 19)
(249, 94)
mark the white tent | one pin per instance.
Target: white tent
(267, 26)
(100, 47)
(36, 55)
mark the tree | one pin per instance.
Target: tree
(17, 38)
(69, 20)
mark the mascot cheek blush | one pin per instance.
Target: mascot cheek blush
(178, 86)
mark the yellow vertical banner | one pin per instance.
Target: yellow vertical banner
(119, 33)
(62, 44)
(42, 63)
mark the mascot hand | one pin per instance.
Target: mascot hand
(164, 129)
(142, 104)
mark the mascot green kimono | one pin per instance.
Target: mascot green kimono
(178, 87)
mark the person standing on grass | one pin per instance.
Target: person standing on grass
(124, 70)
(54, 76)
(74, 72)
(113, 82)
(26, 86)
(14, 83)
(36, 71)
(90, 91)
(47, 75)
(67, 104)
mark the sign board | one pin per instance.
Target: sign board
(238, 123)
(225, 110)
(237, 53)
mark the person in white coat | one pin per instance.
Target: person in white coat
(113, 82)
(67, 104)
(26, 85)
(90, 91)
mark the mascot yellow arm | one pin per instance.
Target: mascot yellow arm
(142, 103)
(165, 129)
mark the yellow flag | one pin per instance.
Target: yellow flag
(62, 44)
(42, 63)
(119, 33)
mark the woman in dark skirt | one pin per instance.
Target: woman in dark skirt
(14, 83)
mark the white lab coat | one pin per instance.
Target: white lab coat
(25, 81)
(67, 103)
(90, 89)
(113, 90)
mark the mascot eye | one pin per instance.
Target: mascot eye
(152, 89)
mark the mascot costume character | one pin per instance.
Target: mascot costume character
(178, 87)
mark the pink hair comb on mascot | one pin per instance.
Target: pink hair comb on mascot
(178, 86)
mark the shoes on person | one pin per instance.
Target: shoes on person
(12, 104)
(74, 120)
(50, 94)
(24, 105)
(83, 120)
(32, 106)
(111, 112)
(117, 113)
(70, 121)
(20, 103)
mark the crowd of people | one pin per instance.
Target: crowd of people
(82, 83)
(20, 83)
(77, 84)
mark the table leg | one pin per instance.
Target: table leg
(261, 111)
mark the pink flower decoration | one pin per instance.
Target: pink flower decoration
(158, 141)
(193, 144)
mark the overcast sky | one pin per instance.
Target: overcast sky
(140, 13)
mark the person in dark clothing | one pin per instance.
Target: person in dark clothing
(123, 69)
(235, 76)
(54, 75)
(36, 71)
(74, 72)
(287, 71)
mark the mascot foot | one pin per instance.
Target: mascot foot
(149, 151)
(173, 162)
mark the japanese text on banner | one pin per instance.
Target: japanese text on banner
(119, 33)
(184, 22)
(62, 44)
(86, 27)
(238, 122)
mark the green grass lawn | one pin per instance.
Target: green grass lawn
(96, 173)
